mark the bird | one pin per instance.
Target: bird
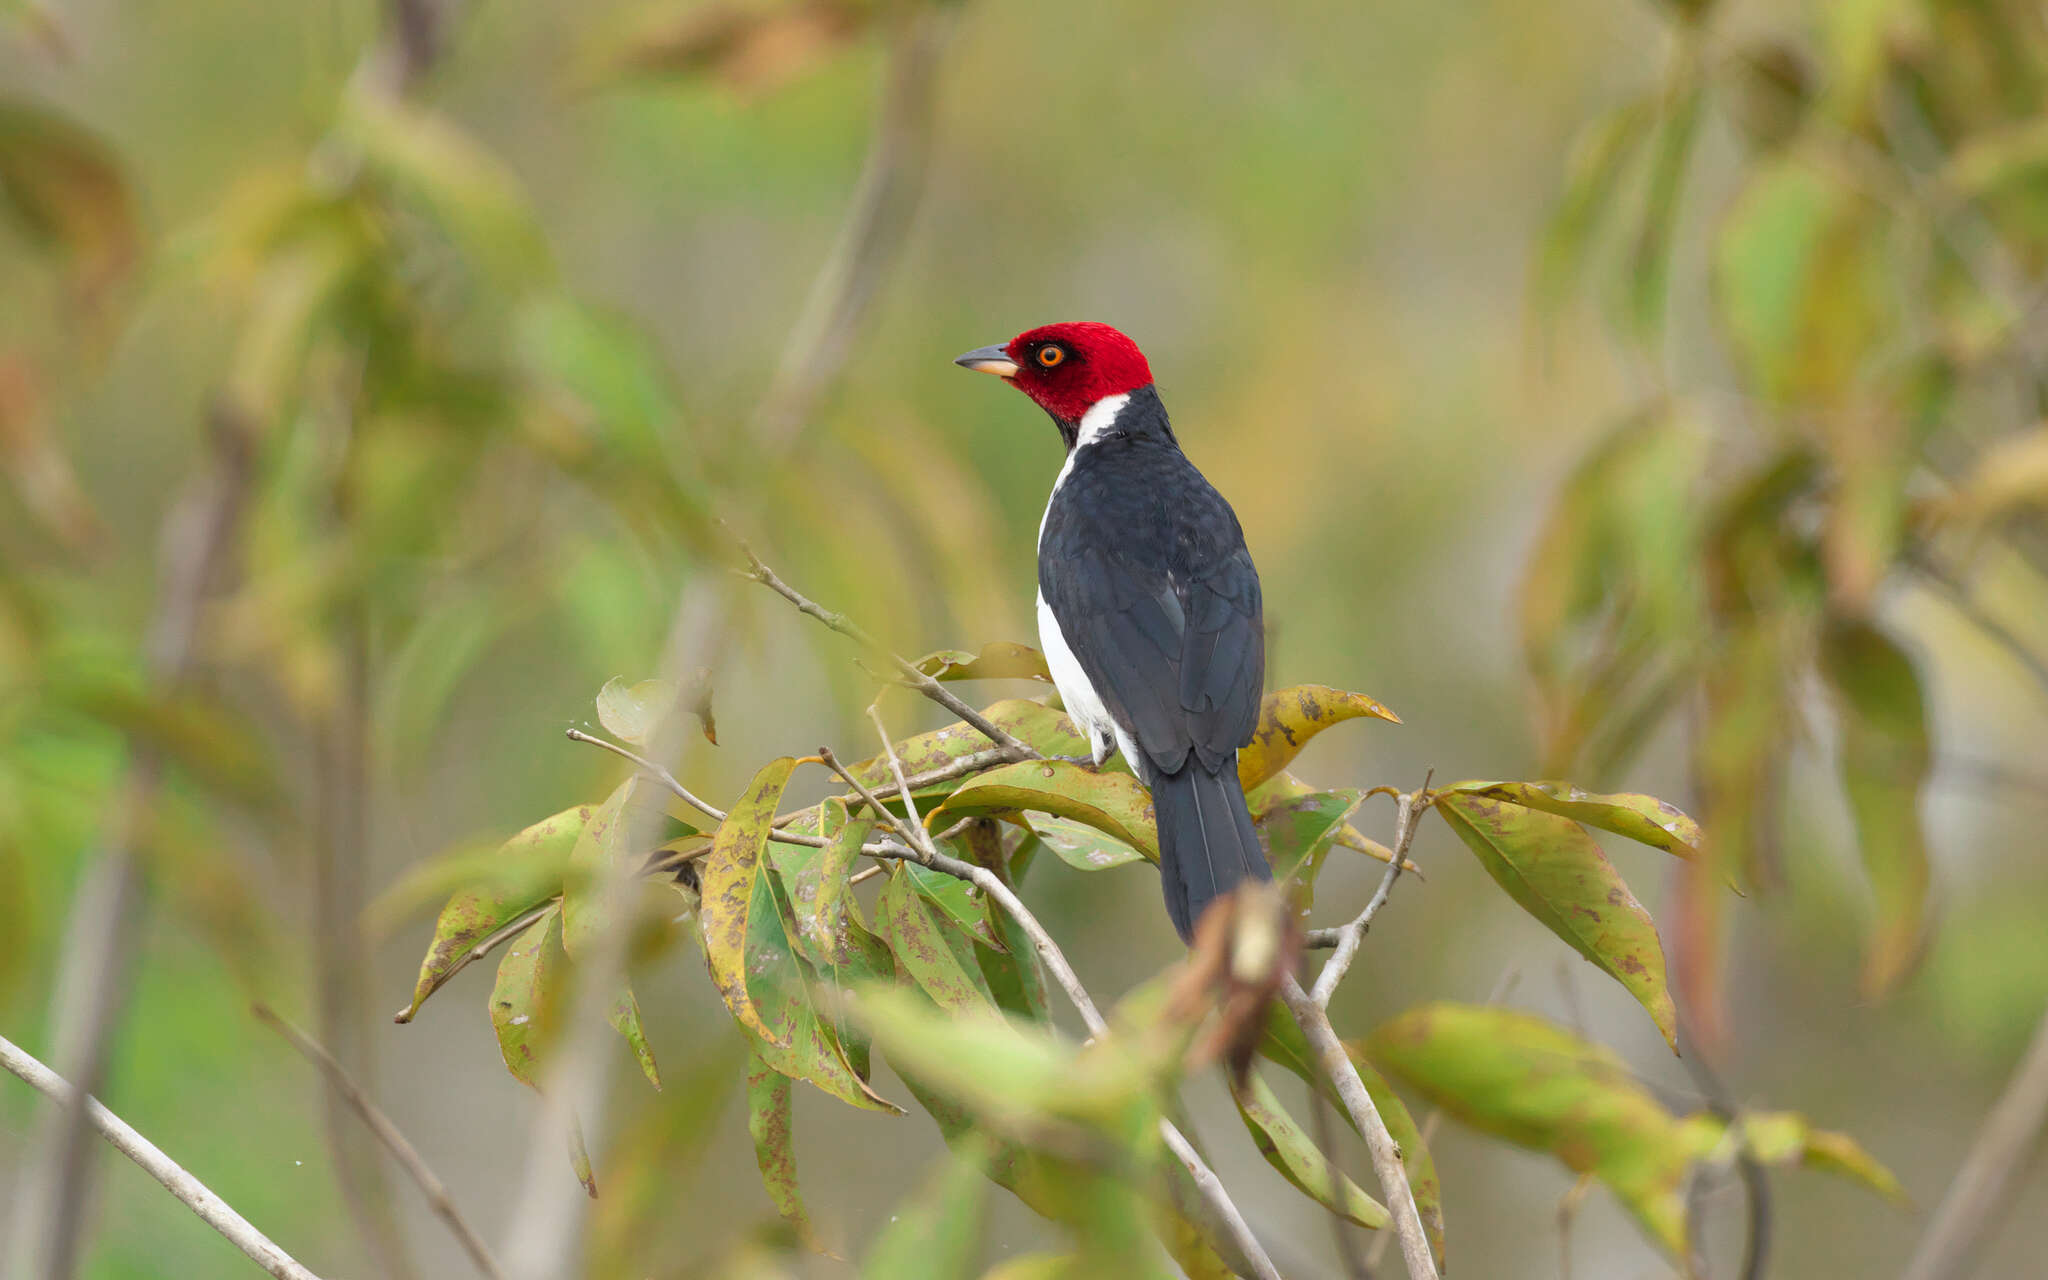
(1149, 610)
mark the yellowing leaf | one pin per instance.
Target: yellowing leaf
(1113, 803)
(1535, 1084)
(1288, 718)
(935, 955)
(731, 880)
(1040, 727)
(541, 856)
(997, 660)
(1645, 819)
(1080, 845)
(1557, 873)
(525, 1000)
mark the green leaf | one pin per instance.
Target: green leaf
(624, 1016)
(1644, 819)
(1801, 284)
(1115, 804)
(732, 876)
(997, 660)
(1300, 828)
(523, 873)
(1535, 1084)
(769, 1124)
(1282, 1043)
(1081, 846)
(1557, 873)
(960, 901)
(1036, 1266)
(821, 891)
(936, 955)
(1289, 1149)
(1884, 759)
(935, 1232)
(1288, 718)
(526, 999)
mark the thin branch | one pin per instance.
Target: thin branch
(1982, 1190)
(1355, 1265)
(190, 1191)
(196, 539)
(1011, 748)
(1349, 937)
(920, 849)
(667, 779)
(436, 1192)
(1756, 1185)
(1386, 1155)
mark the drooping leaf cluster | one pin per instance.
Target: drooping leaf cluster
(1866, 430)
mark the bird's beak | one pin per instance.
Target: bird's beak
(993, 360)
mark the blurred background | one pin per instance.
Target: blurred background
(1639, 393)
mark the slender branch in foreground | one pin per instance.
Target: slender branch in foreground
(1386, 1156)
(1983, 1188)
(438, 1199)
(190, 1191)
(1005, 742)
(1349, 937)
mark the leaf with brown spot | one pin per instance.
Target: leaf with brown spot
(534, 862)
(624, 1016)
(731, 878)
(769, 1121)
(526, 999)
(1113, 803)
(1288, 718)
(1288, 1148)
(587, 911)
(935, 954)
(1554, 870)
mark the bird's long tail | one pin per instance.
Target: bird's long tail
(1207, 845)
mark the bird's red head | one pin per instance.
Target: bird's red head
(1066, 368)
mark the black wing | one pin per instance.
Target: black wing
(1143, 564)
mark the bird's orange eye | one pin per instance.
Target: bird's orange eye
(1050, 356)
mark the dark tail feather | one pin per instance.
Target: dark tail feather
(1207, 845)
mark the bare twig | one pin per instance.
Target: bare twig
(1355, 1265)
(192, 1193)
(1386, 1156)
(665, 778)
(1982, 1190)
(92, 986)
(436, 1192)
(915, 679)
(1349, 937)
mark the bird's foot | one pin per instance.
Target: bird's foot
(1084, 760)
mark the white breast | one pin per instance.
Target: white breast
(1083, 703)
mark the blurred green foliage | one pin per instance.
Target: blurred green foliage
(488, 350)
